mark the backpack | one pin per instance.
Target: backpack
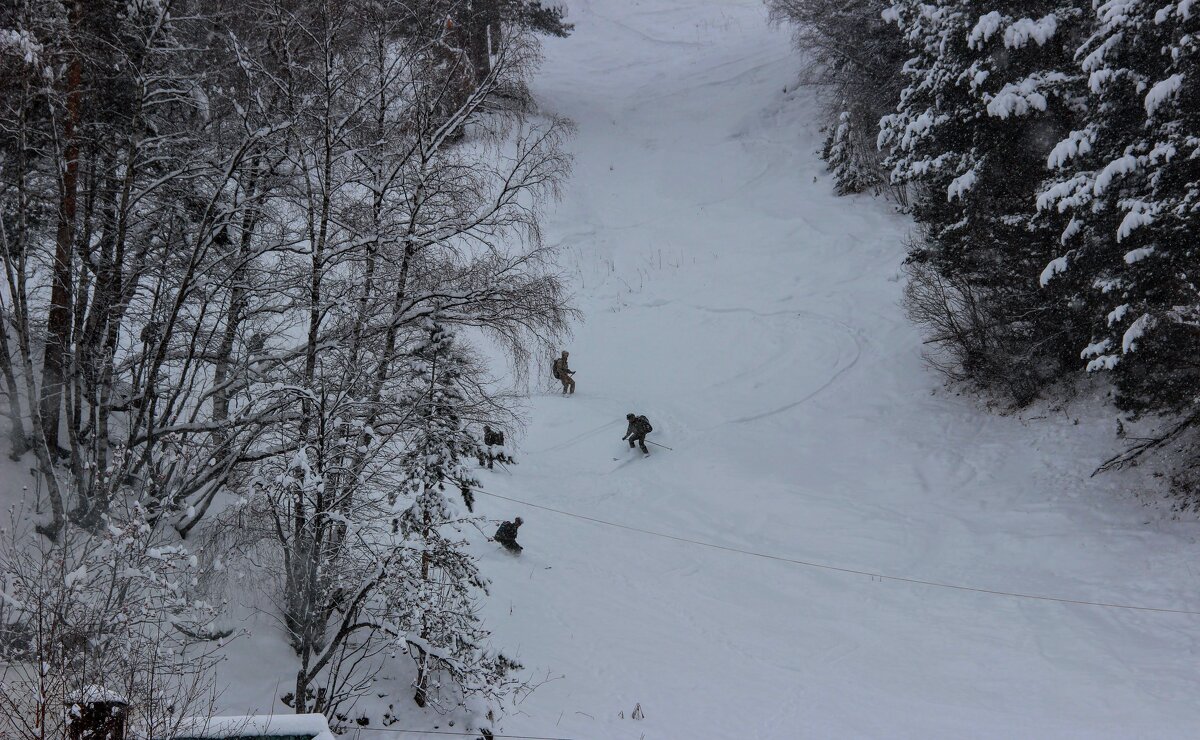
(644, 423)
(556, 369)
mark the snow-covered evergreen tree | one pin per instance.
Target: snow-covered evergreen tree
(441, 445)
(449, 636)
(1129, 178)
(117, 613)
(989, 93)
(855, 167)
(542, 17)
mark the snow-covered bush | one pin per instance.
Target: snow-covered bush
(118, 609)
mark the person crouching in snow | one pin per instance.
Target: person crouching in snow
(493, 450)
(506, 535)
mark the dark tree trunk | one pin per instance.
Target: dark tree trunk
(58, 328)
(16, 431)
(482, 29)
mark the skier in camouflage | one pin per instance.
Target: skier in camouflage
(562, 373)
(507, 535)
(639, 427)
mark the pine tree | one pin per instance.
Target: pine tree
(1129, 178)
(989, 93)
(855, 168)
(539, 17)
(449, 635)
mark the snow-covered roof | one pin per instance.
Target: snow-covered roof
(312, 726)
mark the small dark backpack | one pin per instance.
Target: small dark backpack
(644, 423)
(556, 370)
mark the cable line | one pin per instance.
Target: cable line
(839, 569)
(577, 438)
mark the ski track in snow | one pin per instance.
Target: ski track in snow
(755, 318)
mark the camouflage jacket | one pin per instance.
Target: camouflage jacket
(507, 532)
(640, 426)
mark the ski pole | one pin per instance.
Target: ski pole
(656, 444)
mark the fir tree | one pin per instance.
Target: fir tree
(1129, 178)
(989, 93)
(855, 168)
(449, 636)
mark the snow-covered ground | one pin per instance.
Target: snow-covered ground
(754, 317)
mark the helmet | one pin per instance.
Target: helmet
(631, 417)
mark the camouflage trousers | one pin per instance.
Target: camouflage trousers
(510, 545)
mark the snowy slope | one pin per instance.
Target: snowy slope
(754, 318)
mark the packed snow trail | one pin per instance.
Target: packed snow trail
(754, 318)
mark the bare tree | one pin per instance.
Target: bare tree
(118, 610)
(272, 201)
(129, 359)
(406, 196)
